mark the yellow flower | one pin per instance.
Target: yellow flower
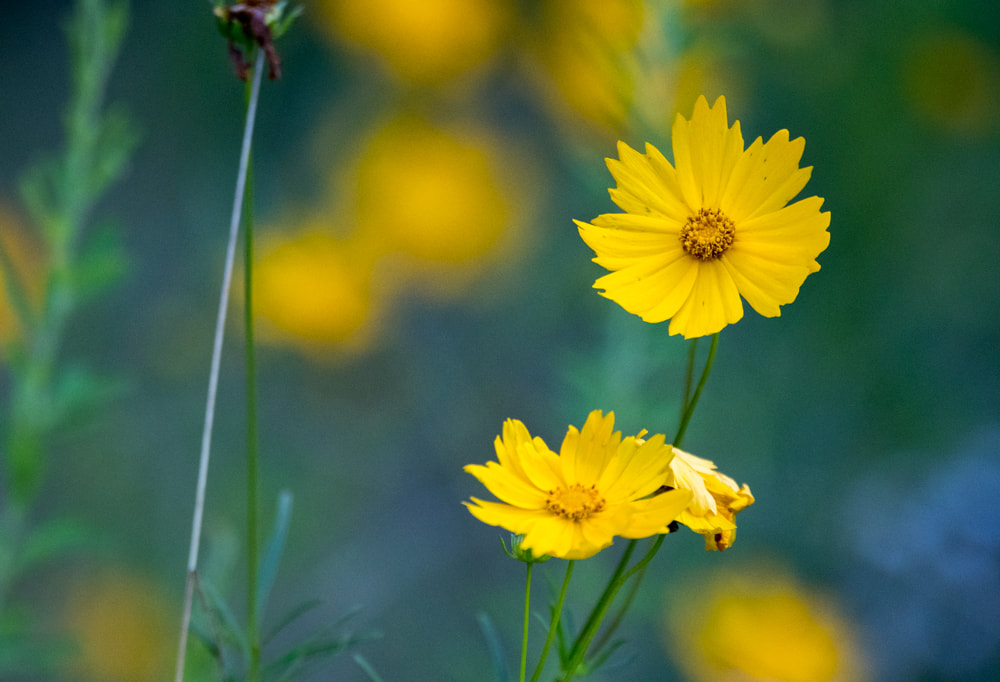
(431, 194)
(695, 238)
(123, 627)
(573, 504)
(715, 502)
(760, 624)
(314, 290)
(583, 56)
(423, 42)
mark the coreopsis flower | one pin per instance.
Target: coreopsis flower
(425, 42)
(760, 623)
(573, 504)
(715, 499)
(314, 291)
(696, 237)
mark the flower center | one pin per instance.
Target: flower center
(707, 235)
(575, 502)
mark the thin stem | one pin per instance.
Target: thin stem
(688, 376)
(527, 618)
(554, 625)
(213, 377)
(691, 404)
(620, 577)
(613, 625)
(597, 614)
(253, 617)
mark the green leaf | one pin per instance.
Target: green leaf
(497, 657)
(290, 617)
(366, 666)
(223, 622)
(275, 547)
(53, 539)
(102, 263)
(309, 652)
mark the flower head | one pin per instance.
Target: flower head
(573, 504)
(696, 237)
(760, 623)
(715, 502)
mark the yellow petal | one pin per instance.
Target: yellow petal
(764, 175)
(507, 486)
(714, 302)
(514, 519)
(584, 456)
(653, 288)
(651, 516)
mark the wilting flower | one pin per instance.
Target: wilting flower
(715, 502)
(573, 504)
(695, 238)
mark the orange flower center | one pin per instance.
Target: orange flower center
(707, 235)
(575, 502)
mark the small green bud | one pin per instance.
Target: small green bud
(519, 553)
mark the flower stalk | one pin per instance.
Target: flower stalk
(213, 379)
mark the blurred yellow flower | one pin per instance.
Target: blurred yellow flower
(23, 270)
(123, 628)
(582, 55)
(953, 79)
(313, 290)
(760, 625)
(694, 239)
(573, 504)
(425, 41)
(715, 502)
(432, 195)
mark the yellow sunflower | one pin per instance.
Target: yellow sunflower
(573, 504)
(696, 237)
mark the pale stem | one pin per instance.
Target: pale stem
(213, 378)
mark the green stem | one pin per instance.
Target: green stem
(554, 625)
(253, 619)
(527, 618)
(620, 577)
(691, 404)
(213, 375)
(579, 647)
(688, 377)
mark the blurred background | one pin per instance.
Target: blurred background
(419, 280)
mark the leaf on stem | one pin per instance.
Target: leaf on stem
(275, 548)
(498, 659)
